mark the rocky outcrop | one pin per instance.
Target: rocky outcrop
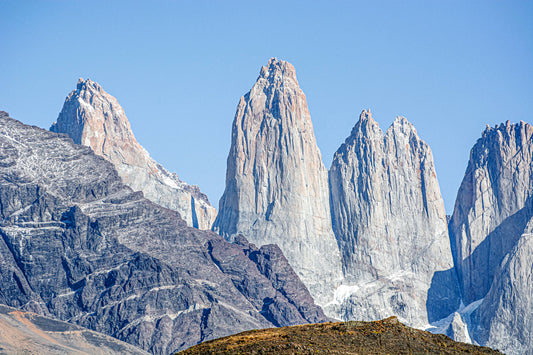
(30, 333)
(92, 117)
(276, 184)
(78, 245)
(390, 222)
(504, 320)
(492, 206)
(491, 231)
(458, 329)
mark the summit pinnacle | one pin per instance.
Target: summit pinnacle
(276, 184)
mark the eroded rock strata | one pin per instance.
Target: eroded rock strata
(78, 245)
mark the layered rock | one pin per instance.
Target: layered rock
(390, 222)
(491, 231)
(491, 210)
(92, 117)
(79, 245)
(276, 184)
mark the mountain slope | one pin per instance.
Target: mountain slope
(29, 333)
(78, 245)
(92, 117)
(276, 184)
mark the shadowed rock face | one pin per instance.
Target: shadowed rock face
(504, 320)
(491, 235)
(491, 210)
(390, 222)
(92, 117)
(78, 245)
(29, 333)
(276, 184)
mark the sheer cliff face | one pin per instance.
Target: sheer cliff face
(504, 320)
(389, 219)
(79, 245)
(492, 206)
(491, 232)
(276, 184)
(93, 118)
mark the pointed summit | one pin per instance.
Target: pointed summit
(92, 117)
(366, 126)
(276, 184)
(279, 72)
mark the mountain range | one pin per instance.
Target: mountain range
(97, 233)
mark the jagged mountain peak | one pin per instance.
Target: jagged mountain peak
(366, 116)
(401, 121)
(386, 207)
(94, 118)
(276, 80)
(525, 130)
(276, 183)
(88, 84)
(365, 127)
(368, 129)
(278, 71)
(401, 127)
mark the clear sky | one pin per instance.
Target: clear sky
(178, 68)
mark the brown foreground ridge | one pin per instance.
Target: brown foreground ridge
(387, 336)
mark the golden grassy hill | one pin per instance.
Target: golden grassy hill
(387, 336)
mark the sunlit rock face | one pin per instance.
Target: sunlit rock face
(92, 117)
(491, 232)
(390, 222)
(276, 184)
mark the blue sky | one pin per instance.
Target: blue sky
(179, 68)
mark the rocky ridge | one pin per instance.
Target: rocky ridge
(276, 184)
(400, 254)
(92, 117)
(80, 246)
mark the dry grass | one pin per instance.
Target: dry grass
(387, 336)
